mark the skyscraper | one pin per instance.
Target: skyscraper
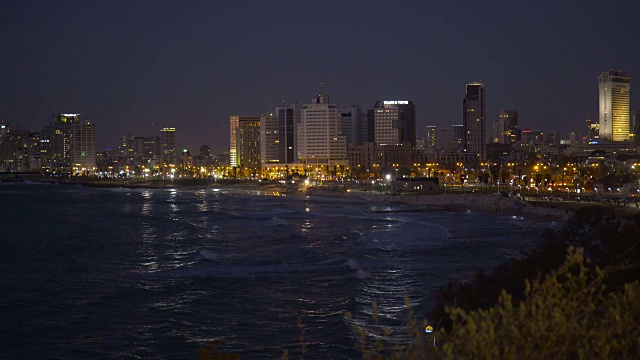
(83, 146)
(57, 142)
(457, 138)
(431, 137)
(614, 114)
(248, 145)
(269, 139)
(234, 122)
(505, 127)
(352, 125)
(395, 123)
(319, 141)
(168, 141)
(473, 120)
(288, 119)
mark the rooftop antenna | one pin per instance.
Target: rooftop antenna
(321, 88)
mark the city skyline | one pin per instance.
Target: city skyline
(178, 66)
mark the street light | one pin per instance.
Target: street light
(429, 329)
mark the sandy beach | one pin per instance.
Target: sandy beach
(484, 202)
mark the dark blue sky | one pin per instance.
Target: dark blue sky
(136, 66)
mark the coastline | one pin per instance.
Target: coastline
(482, 202)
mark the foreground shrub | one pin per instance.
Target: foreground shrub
(568, 315)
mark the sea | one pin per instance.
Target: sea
(115, 273)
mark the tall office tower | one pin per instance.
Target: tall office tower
(635, 126)
(431, 137)
(443, 140)
(288, 119)
(168, 141)
(145, 147)
(57, 142)
(270, 139)
(234, 122)
(352, 125)
(505, 127)
(126, 145)
(473, 119)
(83, 146)
(614, 89)
(248, 144)
(457, 138)
(12, 149)
(368, 131)
(395, 123)
(319, 140)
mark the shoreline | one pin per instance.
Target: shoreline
(482, 202)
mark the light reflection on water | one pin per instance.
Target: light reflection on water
(233, 267)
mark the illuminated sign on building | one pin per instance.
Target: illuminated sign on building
(396, 102)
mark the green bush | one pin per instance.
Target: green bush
(568, 315)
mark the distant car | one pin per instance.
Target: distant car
(504, 193)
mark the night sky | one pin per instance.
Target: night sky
(136, 66)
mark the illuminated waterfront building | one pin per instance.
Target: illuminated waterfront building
(56, 138)
(614, 87)
(83, 147)
(269, 139)
(234, 122)
(473, 120)
(318, 135)
(248, 145)
(395, 123)
(168, 141)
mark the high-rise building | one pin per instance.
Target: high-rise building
(457, 138)
(288, 119)
(368, 130)
(473, 119)
(168, 141)
(505, 127)
(430, 140)
(443, 140)
(248, 145)
(352, 125)
(270, 139)
(614, 87)
(56, 138)
(83, 146)
(15, 146)
(318, 135)
(395, 123)
(234, 122)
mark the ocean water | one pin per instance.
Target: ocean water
(90, 273)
